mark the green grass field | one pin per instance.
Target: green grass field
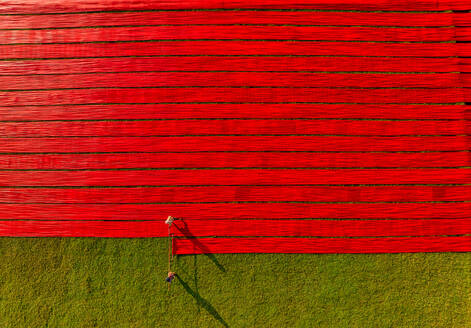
(75, 282)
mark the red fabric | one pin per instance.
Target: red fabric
(233, 95)
(234, 32)
(241, 193)
(234, 48)
(234, 79)
(201, 228)
(220, 111)
(222, 211)
(234, 127)
(235, 143)
(430, 19)
(233, 160)
(227, 63)
(169, 177)
(239, 123)
(323, 245)
(58, 6)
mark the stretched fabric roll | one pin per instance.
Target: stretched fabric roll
(235, 143)
(57, 6)
(233, 160)
(430, 19)
(252, 111)
(234, 32)
(322, 245)
(233, 95)
(233, 48)
(326, 228)
(234, 127)
(223, 211)
(222, 194)
(189, 177)
(226, 63)
(229, 79)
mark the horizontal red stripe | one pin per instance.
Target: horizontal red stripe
(115, 229)
(235, 211)
(226, 79)
(322, 245)
(182, 111)
(232, 127)
(233, 143)
(205, 63)
(56, 6)
(264, 48)
(234, 17)
(257, 95)
(239, 160)
(325, 228)
(235, 177)
(232, 32)
(321, 228)
(238, 193)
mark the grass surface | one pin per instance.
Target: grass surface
(54, 282)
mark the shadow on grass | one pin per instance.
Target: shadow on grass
(203, 302)
(183, 228)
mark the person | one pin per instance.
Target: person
(170, 277)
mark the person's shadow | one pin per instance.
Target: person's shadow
(201, 301)
(182, 227)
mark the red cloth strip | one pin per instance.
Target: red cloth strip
(242, 95)
(235, 160)
(322, 245)
(235, 177)
(237, 193)
(58, 6)
(115, 229)
(204, 63)
(233, 127)
(225, 211)
(231, 79)
(185, 111)
(231, 32)
(321, 228)
(233, 143)
(235, 17)
(325, 228)
(217, 48)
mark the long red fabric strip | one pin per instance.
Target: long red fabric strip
(270, 228)
(237, 63)
(236, 193)
(322, 245)
(231, 79)
(234, 127)
(234, 32)
(222, 211)
(234, 143)
(322, 228)
(252, 111)
(236, 95)
(429, 19)
(233, 160)
(235, 177)
(57, 6)
(234, 48)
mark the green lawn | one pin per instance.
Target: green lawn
(75, 282)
